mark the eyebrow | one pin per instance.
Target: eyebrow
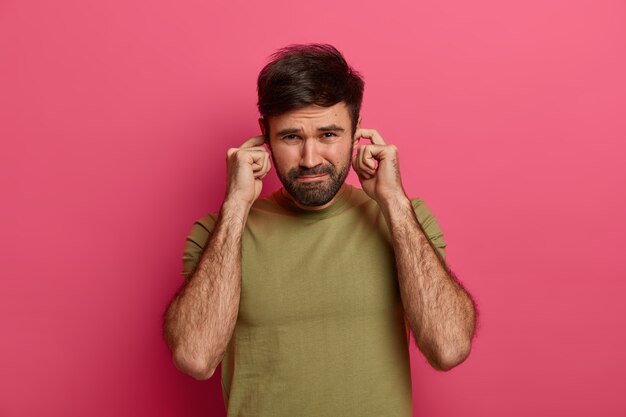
(329, 128)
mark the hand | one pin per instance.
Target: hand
(247, 165)
(377, 167)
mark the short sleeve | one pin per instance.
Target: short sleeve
(197, 238)
(431, 226)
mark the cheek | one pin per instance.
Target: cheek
(286, 159)
(340, 157)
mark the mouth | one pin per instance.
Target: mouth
(311, 178)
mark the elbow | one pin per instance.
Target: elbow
(197, 368)
(453, 358)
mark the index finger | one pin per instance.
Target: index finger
(370, 134)
(254, 141)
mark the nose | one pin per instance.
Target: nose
(310, 156)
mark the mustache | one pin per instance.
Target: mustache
(318, 170)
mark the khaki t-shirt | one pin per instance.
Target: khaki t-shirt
(321, 328)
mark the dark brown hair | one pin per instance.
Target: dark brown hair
(299, 75)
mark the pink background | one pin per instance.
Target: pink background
(115, 117)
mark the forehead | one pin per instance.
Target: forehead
(311, 117)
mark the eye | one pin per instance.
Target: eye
(329, 133)
(290, 137)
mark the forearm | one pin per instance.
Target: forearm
(439, 311)
(200, 321)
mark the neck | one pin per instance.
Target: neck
(313, 208)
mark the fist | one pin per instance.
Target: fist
(247, 165)
(377, 167)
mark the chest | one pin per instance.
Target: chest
(294, 272)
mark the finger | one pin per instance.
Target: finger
(370, 134)
(266, 167)
(254, 141)
(252, 157)
(358, 165)
(257, 160)
(368, 162)
(380, 152)
(254, 148)
(232, 151)
(268, 163)
(260, 173)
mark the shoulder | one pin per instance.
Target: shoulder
(202, 228)
(357, 197)
(195, 242)
(422, 211)
(428, 221)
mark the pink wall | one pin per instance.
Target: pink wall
(115, 117)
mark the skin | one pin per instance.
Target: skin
(310, 150)
(200, 321)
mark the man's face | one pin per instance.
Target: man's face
(312, 151)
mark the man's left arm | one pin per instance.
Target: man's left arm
(439, 311)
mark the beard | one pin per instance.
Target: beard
(314, 193)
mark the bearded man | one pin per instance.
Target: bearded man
(306, 296)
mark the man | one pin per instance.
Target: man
(306, 296)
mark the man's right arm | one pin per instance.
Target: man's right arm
(200, 320)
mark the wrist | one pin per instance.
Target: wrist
(394, 201)
(396, 209)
